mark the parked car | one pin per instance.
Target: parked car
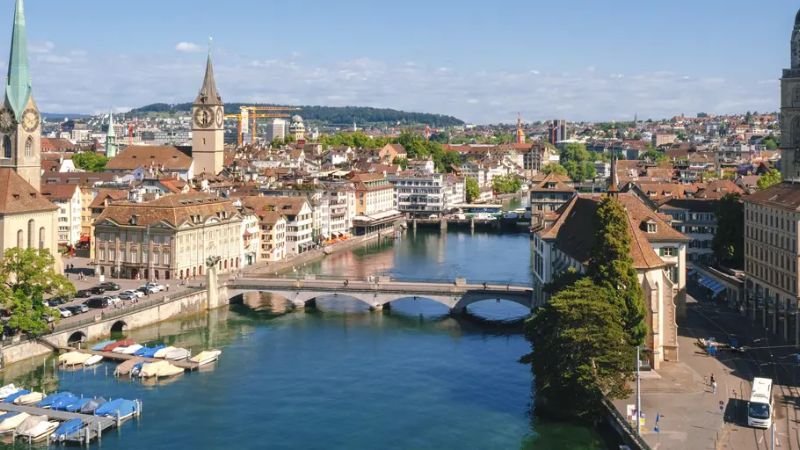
(97, 290)
(129, 295)
(64, 313)
(157, 287)
(109, 286)
(113, 300)
(97, 303)
(77, 309)
(134, 292)
(151, 288)
(83, 293)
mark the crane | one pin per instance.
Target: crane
(248, 117)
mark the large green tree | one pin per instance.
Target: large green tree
(578, 162)
(472, 189)
(29, 276)
(90, 161)
(611, 266)
(769, 179)
(580, 350)
(506, 184)
(728, 243)
(554, 168)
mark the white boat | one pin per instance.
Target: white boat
(206, 357)
(159, 369)
(129, 350)
(29, 399)
(7, 390)
(73, 358)
(177, 354)
(39, 431)
(11, 421)
(163, 352)
(94, 359)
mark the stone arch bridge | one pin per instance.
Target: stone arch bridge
(381, 291)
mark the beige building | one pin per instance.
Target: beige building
(67, 197)
(27, 218)
(273, 236)
(298, 218)
(771, 220)
(658, 252)
(168, 238)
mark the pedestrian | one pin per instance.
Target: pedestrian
(713, 384)
(167, 287)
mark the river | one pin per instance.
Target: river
(342, 377)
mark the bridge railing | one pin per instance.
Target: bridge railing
(342, 278)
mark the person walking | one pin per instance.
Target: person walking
(713, 384)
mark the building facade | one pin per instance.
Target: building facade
(169, 238)
(419, 194)
(68, 199)
(298, 215)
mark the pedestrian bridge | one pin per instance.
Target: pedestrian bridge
(380, 292)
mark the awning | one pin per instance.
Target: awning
(714, 286)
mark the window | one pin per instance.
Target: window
(651, 227)
(102, 254)
(41, 238)
(668, 251)
(29, 147)
(166, 259)
(31, 226)
(19, 238)
(7, 147)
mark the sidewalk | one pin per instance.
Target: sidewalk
(690, 413)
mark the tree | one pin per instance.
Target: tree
(578, 162)
(653, 155)
(770, 143)
(580, 350)
(29, 275)
(402, 162)
(611, 266)
(769, 179)
(728, 243)
(554, 168)
(90, 161)
(472, 188)
(506, 184)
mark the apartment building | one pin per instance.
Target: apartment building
(419, 194)
(68, 199)
(298, 216)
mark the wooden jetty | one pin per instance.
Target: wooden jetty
(185, 364)
(95, 425)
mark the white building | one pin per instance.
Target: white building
(276, 130)
(68, 199)
(423, 194)
(298, 215)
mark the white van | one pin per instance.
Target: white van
(759, 408)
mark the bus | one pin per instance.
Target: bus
(759, 408)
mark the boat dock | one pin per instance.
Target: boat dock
(95, 425)
(120, 357)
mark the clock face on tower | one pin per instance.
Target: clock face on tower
(220, 118)
(7, 122)
(30, 120)
(203, 117)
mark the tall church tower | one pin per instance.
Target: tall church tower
(207, 126)
(111, 137)
(790, 111)
(20, 122)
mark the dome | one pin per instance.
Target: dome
(297, 118)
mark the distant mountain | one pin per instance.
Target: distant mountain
(58, 117)
(343, 116)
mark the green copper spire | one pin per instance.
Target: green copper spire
(111, 138)
(111, 131)
(18, 83)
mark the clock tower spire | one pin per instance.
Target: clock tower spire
(207, 126)
(20, 122)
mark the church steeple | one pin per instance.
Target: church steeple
(208, 92)
(111, 137)
(520, 130)
(18, 83)
(613, 183)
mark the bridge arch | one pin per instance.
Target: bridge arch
(119, 326)
(472, 297)
(76, 337)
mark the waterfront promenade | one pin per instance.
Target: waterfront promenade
(690, 414)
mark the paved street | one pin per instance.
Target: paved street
(690, 412)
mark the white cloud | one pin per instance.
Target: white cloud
(41, 47)
(188, 47)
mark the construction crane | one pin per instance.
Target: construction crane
(248, 119)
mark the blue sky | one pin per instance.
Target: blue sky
(480, 61)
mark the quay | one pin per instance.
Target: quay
(119, 357)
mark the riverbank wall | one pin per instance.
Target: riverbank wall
(619, 424)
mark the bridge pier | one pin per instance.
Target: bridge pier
(443, 224)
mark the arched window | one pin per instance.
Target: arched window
(31, 226)
(29, 147)
(41, 238)
(19, 238)
(7, 147)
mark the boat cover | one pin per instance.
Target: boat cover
(91, 406)
(67, 429)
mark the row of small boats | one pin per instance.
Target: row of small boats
(129, 347)
(37, 428)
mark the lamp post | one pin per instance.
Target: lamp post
(638, 393)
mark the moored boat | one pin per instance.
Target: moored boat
(29, 399)
(161, 353)
(67, 429)
(36, 428)
(206, 357)
(177, 354)
(73, 358)
(121, 343)
(159, 369)
(11, 398)
(148, 352)
(7, 390)
(10, 421)
(129, 350)
(94, 359)
(91, 406)
(117, 408)
(101, 345)
(126, 367)
(48, 401)
(76, 405)
(60, 404)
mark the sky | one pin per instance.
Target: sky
(481, 61)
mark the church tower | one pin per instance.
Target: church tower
(207, 126)
(790, 111)
(520, 130)
(20, 122)
(111, 137)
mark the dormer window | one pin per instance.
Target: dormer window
(651, 227)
